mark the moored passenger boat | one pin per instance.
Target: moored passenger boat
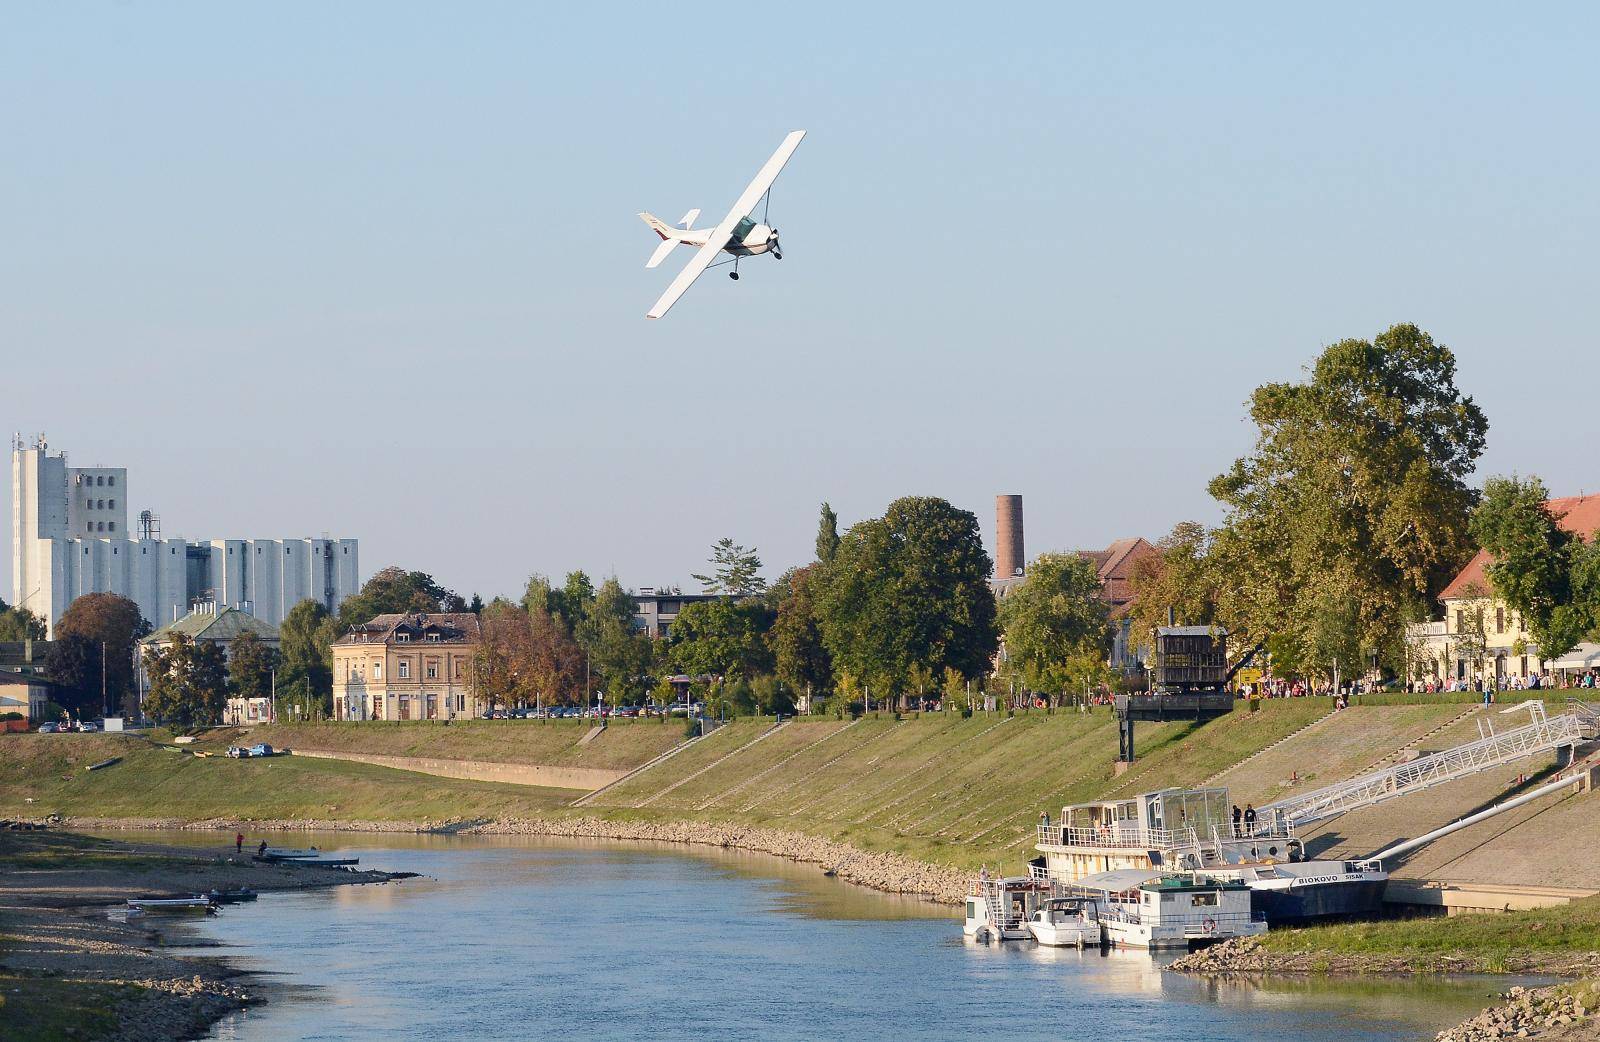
(999, 909)
(1192, 830)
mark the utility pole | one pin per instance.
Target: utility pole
(105, 706)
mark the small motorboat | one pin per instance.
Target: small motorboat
(199, 904)
(998, 909)
(231, 897)
(286, 854)
(1067, 922)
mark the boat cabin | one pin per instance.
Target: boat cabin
(1176, 910)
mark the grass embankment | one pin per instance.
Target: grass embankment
(155, 781)
(624, 744)
(937, 788)
(51, 1009)
(1499, 940)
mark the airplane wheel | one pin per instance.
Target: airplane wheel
(776, 255)
(734, 275)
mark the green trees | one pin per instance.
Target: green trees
(827, 534)
(735, 571)
(96, 626)
(801, 657)
(502, 668)
(906, 590)
(1055, 623)
(20, 624)
(396, 590)
(619, 657)
(1549, 575)
(251, 662)
(305, 643)
(188, 683)
(1350, 514)
(73, 664)
(1180, 577)
(723, 638)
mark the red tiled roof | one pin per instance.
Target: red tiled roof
(1577, 514)
(1115, 565)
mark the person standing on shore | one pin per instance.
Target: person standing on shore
(238, 842)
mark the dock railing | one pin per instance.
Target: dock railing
(1130, 836)
(1541, 735)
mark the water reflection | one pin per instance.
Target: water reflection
(514, 937)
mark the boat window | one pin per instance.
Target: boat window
(1205, 900)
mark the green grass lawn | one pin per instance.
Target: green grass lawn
(1573, 928)
(153, 781)
(624, 744)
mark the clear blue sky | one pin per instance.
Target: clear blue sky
(374, 269)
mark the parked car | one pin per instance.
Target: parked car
(238, 752)
(88, 725)
(261, 749)
(49, 728)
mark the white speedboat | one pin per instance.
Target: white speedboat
(1067, 922)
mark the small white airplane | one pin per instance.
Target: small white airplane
(737, 234)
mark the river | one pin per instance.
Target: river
(515, 937)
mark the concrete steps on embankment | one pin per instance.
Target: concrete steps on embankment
(589, 797)
(764, 735)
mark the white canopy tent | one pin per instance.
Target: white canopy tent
(1584, 656)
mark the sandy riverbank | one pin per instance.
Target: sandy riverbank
(67, 970)
(885, 872)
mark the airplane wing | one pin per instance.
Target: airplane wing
(724, 230)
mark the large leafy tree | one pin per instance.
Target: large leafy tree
(188, 682)
(20, 624)
(1178, 578)
(556, 660)
(801, 657)
(113, 624)
(1056, 623)
(305, 643)
(619, 656)
(735, 570)
(1351, 513)
(396, 590)
(909, 589)
(723, 637)
(251, 663)
(503, 663)
(73, 665)
(1549, 575)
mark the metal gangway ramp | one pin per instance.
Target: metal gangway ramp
(1542, 734)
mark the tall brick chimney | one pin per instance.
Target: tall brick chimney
(1008, 555)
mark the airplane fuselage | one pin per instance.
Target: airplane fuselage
(749, 238)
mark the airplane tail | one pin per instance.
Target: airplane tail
(669, 235)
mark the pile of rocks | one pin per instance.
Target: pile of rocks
(1527, 1013)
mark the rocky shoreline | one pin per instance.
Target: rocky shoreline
(1542, 1013)
(884, 872)
(58, 944)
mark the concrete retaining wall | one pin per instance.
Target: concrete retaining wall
(586, 778)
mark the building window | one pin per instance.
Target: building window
(113, 503)
(458, 669)
(1461, 621)
(402, 638)
(113, 526)
(433, 670)
(88, 526)
(112, 481)
(405, 670)
(1499, 620)
(100, 479)
(461, 703)
(377, 671)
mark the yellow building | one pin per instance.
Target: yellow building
(1480, 638)
(407, 667)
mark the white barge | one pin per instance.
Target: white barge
(1192, 830)
(1158, 912)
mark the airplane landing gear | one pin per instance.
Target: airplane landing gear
(776, 255)
(734, 275)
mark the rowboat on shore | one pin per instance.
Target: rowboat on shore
(286, 854)
(199, 904)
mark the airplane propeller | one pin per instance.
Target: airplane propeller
(772, 245)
